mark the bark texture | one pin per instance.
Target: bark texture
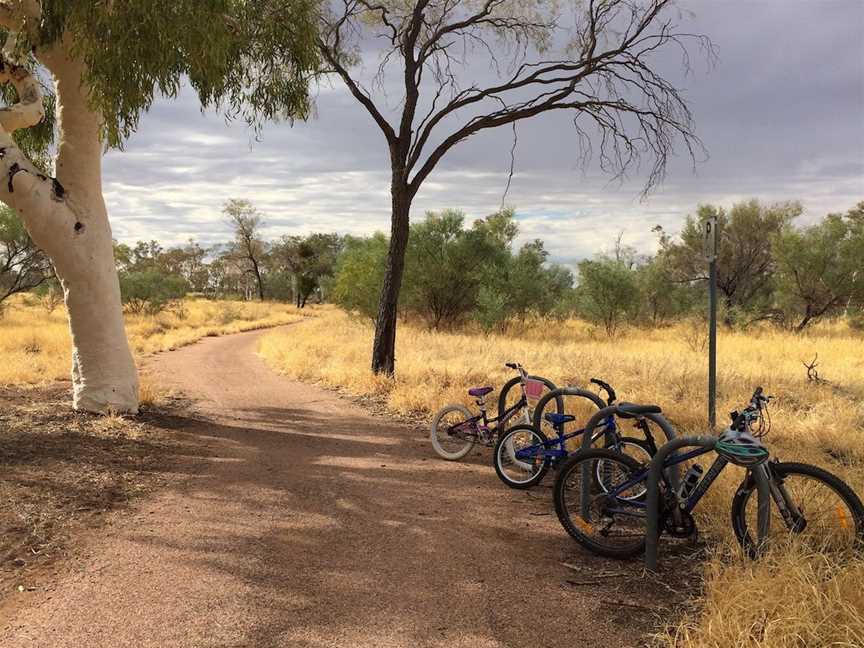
(384, 347)
(67, 218)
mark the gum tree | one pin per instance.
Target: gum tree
(595, 59)
(87, 71)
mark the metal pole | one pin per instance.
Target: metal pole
(712, 344)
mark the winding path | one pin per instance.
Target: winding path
(314, 524)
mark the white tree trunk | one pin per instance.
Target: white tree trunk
(67, 218)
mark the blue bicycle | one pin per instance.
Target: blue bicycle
(524, 454)
(600, 496)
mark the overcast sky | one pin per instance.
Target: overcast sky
(781, 114)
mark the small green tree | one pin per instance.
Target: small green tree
(820, 268)
(150, 292)
(307, 260)
(607, 292)
(445, 264)
(359, 273)
(663, 298)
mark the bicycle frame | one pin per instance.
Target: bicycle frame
(701, 488)
(553, 453)
(484, 427)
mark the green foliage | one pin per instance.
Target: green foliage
(22, 265)
(662, 297)
(309, 261)
(745, 264)
(820, 268)
(454, 274)
(250, 57)
(360, 273)
(608, 292)
(150, 291)
(444, 265)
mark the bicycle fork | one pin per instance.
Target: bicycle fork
(789, 511)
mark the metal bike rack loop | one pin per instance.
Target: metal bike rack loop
(652, 532)
(594, 421)
(502, 404)
(558, 395)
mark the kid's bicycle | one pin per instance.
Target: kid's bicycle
(524, 454)
(600, 495)
(455, 429)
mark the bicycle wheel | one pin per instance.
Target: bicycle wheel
(520, 458)
(449, 443)
(636, 449)
(826, 515)
(607, 524)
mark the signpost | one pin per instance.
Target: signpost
(711, 242)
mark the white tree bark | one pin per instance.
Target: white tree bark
(67, 218)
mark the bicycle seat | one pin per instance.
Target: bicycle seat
(632, 410)
(559, 419)
(479, 392)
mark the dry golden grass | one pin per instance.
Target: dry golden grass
(784, 600)
(35, 345)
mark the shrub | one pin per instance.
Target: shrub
(150, 292)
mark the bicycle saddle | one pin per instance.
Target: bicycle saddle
(632, 410)
(479, 392)
(559, 419)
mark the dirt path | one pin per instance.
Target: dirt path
(314, 524)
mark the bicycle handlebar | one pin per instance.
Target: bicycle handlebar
(757, 402)
(607, 388)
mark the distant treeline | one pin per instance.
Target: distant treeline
(769, 269)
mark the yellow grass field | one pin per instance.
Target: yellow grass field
(35, 346)
(784, 600)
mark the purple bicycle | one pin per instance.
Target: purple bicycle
(455, 429)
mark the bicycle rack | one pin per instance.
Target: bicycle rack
(559, 402)
(594, 421)
(557, 394)
(652, 532)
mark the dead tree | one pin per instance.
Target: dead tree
(597, 62)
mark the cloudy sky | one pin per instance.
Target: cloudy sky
(781, 114)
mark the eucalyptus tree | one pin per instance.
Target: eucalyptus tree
(596, 59)
(86, 71)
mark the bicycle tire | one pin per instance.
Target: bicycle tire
(578, 529)
(433, 433)
(500, 449)
(783, 471)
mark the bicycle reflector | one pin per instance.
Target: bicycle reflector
(741, 448)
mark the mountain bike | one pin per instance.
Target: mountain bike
(455, 429)
(600, 495)
(524, 454)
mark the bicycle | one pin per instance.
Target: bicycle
(601, 496)
(455, 429)
(525, 454)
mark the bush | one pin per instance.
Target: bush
(151, 292)
(608, 292)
